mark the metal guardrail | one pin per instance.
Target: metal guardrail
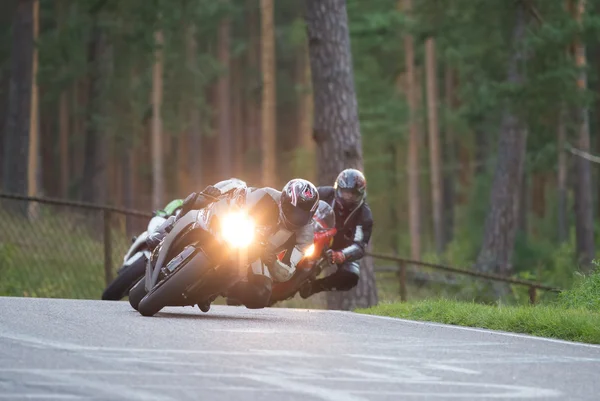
(109, 213)
(80, 263)
(401, 270)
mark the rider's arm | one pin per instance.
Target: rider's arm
(326, 193)
(284, 270)
(362, 235)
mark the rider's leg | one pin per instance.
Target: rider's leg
(344, 279)
(254, 293)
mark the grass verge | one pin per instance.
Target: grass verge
(553, 321)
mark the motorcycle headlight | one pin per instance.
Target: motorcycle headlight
(237, 229)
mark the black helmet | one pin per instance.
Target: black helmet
(350, 188)
(299, 200)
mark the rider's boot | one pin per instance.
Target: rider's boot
(311, 288)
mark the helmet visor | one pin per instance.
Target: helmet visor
(348, 196)
(296, 216)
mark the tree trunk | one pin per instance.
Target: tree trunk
(435, 157)
(306, 104)
(563, 225)
(538, 194)
(482, 149)
(34, 140)
(63, 118)
(79, 104)
(501, 222)
(522, 226)
(253, 100)
(7, 18)
(449, 155)
(194, 151)
(158, 178)
(336, 125)
(269, 105)
(63, 132)
(17, 133)
(224, 102)
(305, 154)
(414, 203)
(94, 182)
(238, 125)
(584, 211)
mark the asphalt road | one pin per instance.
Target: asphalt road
(53, 349)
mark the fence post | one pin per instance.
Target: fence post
(532, 295)
(108, 275)
(402, 279)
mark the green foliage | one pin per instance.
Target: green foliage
(544, 321)
(585, 293)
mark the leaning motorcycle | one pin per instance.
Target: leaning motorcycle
(134, 263)
(206, 252)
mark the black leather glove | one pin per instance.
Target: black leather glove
(211, 192)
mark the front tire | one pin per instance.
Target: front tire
(137, 293)
(174, 286)
(119, 287)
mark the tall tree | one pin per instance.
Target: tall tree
(306, 102)
(306, 113)
(336, 124)
(158, 177)
(224, 101)
(34, 135)
(195, 133)
(584, 211)
(253, 101)
(269, 105)
(17, 133)
(238, 134)
(502, 218)
(94, 181)
(63, 117)
(435, 156)
(449, 154)
(562, 176)
(414, 198)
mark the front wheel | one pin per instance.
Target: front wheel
(126, 279)
(137, 293)
(173, 286)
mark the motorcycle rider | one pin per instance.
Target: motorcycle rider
(287, 216)
(354, 224)
(194, 201)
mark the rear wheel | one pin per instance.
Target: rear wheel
(171, 289)
(137, 293)
(126, 279)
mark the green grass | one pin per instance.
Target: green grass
(59, 254)
(584, 294)
(544, 320)
(573, 316)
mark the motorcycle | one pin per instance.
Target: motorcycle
(134, 263)
(206, 253)
(314, 261)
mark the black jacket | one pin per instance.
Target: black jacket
(354, 227)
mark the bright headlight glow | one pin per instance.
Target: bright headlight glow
(310, 251)
(237, 229)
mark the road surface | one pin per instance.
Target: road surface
(52, 349)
